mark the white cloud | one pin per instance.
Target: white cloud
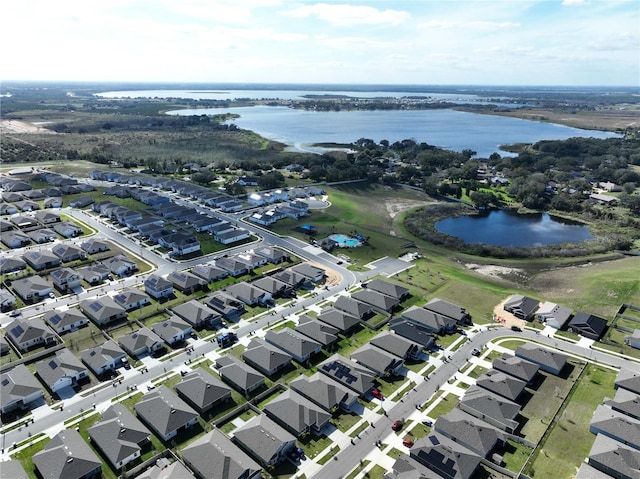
(346, 15)
(574, 3)
(471, 25)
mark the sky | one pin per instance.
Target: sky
(421, 42)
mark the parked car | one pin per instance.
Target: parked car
(14, 313)
(377, 394)
(475, 352)
(407, 442)
(427, 423)
(397, 425)
(516, 328)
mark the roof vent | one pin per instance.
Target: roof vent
(173, 411)
(70, 459)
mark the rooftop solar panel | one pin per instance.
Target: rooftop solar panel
(17, 330)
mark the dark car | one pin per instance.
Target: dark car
(516, 328)
(397, 425)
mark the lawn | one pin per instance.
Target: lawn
(446, 404)
(569, 441)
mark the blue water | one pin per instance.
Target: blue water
(508, 228)
(444, 128)
(345, 241)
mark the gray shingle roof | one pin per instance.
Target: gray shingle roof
(66, 456)
(395, 344)
(202, 389)
(388, 288)
(626, 402)
(446, 457)
(547, 359)
(516, 367)
(239, 374)
(119, 434)
(292, 342)
(376, 359)
(143, 339)
(352, 306)
(469, 431)
(164, 411)
(616, 425)
(609, 455)
(445, 308)
(265, 357)
(169, 328)
(214, 456)
(16, 384)
(98, 356)
(263, 437)
(480, 402)
(375, 299)
(296, 412)
(348, 373)
(64, 363)
(628, 379)
(317, 330)
(338, 319)
(196, 313)
(502, 384)
(323, 391)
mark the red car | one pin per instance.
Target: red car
(377, 394)
(407, 442)
(397, 425)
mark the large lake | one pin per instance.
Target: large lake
(444, 128)
(508, 228)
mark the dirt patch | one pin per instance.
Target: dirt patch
(332, 278)
(494, 271)
(15, 126)
(395, 206)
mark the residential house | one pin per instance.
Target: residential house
(11, 264)
(501, 384)
(228, 306)
(232, 236)
(64, 321)
(158, 287)
(253, 260)
(428, 320)
(180, 243)
(104, 358)
(94, 274)
(316, 330)
(491, 408)
(299, 346)
(140, 342)
(102, 310)
(313, 273)
(24, 222)
(381, 363)
(325, 392)
(30, 333)
(550, 361)
(297, 414)
(81, 202)
(614, 458)
(40, 260)
(94, 246)
(214, 456)
(388, 288)
(66, 229)
(209, 273)
(131, 298)
(397, 345)
(202, 390)
(47, 217)
(628, 379)
(447, 458)
(353, 307)
(233, 266)
(14, 469)
(405, 466)
(293, 279)
(348, 373)
(553, 315)
(164, 469)
(186, 282)
(27, 205)
(625, 402)
(248, 294)
(8, 209)
(517, 367)
(377, 300)
(616, 425)
(473, 433)
(120, 436)
(266, 358)
(239, 375)
(166, 414)
(61, 371)
(633, 339)
(15, 239)
(66, 279)
(32, 288)
(522, 307)
(272, 254)
(121, 265)
(264, 440)
(67, 456)
(53, 202)
(197, 315)
(449, 310)
(19, 390)
(340, 320)
(7, 300)
(43, 235)
(173, 330)
(588, 325)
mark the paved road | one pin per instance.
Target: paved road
(349, 458)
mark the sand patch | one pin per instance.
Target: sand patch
(22, 127)
(494, 271)
(395, 206)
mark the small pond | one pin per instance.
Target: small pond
(509, 228)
